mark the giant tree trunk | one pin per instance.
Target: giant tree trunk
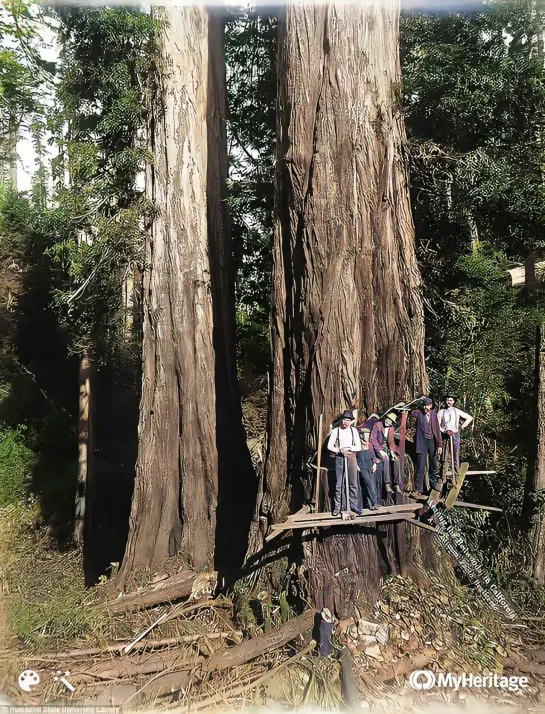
(192, 447)
(174, 502)
(347, 314)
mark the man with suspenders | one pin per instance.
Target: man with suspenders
(451, 422)
(344, 444)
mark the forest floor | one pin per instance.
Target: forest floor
(248, 650)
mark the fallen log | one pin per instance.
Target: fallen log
(131, 668)
(234, 656)
(174, 588)
(146, 644)
(349, 689)
(164, 684)
(171, 682)
(128, 669)
(257, 682)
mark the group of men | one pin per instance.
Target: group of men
(368, 456)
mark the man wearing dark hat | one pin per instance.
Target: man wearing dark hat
(383, 443)
(451, 422)
(344, 444)
(428, 444)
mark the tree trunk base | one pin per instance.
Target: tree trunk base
(347, 567)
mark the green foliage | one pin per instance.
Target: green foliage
(21, 73)
(488, 344)
(106, 80)
(38, 382)
(250, 47)
(475, 105)
(474, 93)
(16, 462)
(253, 340)
(65, 252)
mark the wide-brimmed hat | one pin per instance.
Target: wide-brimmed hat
(347, 415)
(450, 395)
(427, 400)
(392, 416)
(364, 429)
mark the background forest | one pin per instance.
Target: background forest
(71, 249)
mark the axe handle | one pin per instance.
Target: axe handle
(319, 470)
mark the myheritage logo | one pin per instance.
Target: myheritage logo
(423, 679)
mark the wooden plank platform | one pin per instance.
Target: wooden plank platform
(337, 521)
(304, 520)
(381, 510)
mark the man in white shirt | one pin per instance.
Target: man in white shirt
(451, 422)
(344, 443)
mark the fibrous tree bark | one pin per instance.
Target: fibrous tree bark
(175, 496)
(347, 314)
(190, 432)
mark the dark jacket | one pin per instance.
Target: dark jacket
(377, 439)
(420, 418)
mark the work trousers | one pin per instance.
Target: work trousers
(389, 466)
(353, 485)
(428, 456)
(456, 445)
(365, 464)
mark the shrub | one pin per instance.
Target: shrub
(16, 463)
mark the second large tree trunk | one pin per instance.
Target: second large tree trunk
(347, 313)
